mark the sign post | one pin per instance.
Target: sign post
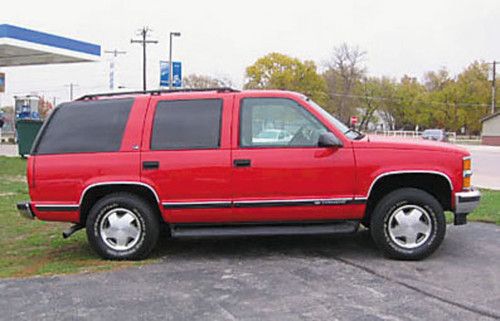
(2, 82)
(165, 74)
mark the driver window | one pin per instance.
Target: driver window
(277, 122)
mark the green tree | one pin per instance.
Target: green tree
(462, 101)
(278, 71)
(377, 95)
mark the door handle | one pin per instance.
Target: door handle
(150, 165)
(242, 163)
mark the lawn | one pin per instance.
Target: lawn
(36, 247)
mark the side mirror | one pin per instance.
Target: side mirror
(329, 140)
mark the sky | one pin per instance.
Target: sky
(221, 38)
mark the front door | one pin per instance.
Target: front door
(280, 173)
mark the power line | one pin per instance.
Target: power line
(400, 100)
(144, 33)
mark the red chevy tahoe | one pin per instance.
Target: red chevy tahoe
(219, 162)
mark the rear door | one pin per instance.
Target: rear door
(186, 156)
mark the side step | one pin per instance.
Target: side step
(263, 229)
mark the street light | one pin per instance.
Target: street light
(170, 75)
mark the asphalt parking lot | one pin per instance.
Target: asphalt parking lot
(277, 278)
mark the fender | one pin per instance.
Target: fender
(408, 172)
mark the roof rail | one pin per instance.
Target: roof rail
(158, 92)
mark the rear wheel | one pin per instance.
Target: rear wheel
(122, 226)
(408, 224)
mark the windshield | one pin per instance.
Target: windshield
(334, 121)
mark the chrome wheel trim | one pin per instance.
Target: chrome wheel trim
(409, 226)
(120, 229)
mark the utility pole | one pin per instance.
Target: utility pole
(143, 33)
(115, 53)
(170, 62)
(71, 87)
(493, 88)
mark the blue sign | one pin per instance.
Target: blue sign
(165, 74)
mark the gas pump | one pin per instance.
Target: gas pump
(27, 107)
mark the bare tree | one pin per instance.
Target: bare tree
(344, 72)
(201, 81)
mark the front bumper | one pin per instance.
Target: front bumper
(465, 202)
(25, 210)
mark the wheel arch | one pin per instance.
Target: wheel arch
(436, 183)
(96, 191)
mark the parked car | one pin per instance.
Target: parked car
(435, 134)
(272, 136)
(123, 165)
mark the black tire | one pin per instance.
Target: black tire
(396, 200)
(147, 222)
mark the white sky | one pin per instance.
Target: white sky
(220, 38)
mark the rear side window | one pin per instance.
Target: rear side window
(85, 126)
(187, 124)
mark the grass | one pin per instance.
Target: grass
(37, 248)
(489, 208)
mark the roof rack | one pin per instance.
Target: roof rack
(158, 92)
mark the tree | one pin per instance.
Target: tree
(462, 101)
(343, 77)
(377, 96)
(436, 80)
(278, 71)
(202, 81)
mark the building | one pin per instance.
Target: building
(491, 130)
(24, 47)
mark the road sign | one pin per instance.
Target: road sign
(2, 82)
(165, 74)
(354, 120)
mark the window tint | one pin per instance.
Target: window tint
(187, 124)
(277, 122)
(85, 126)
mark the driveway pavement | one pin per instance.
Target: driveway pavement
(277, 278)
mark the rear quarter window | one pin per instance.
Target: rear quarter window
(85, 126)
(187, 124)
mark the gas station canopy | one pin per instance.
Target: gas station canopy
(20, 46)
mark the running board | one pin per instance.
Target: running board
(264, 229)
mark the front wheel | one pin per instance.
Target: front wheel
(408, 224)
(122, 226)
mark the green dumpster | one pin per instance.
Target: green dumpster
(27, 129)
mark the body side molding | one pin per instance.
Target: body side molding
(263, 203)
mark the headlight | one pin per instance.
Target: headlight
(467, 173)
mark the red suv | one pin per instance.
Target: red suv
(203, 163)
